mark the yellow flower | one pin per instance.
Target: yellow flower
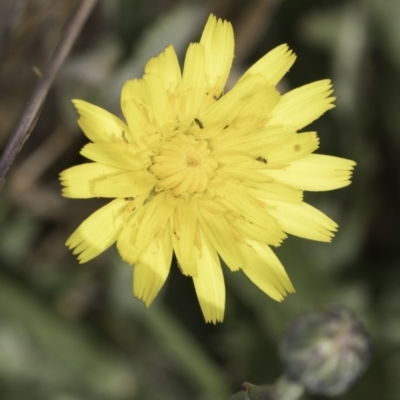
(205, 174)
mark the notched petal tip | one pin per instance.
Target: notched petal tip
(78, 103)
(143, 299)
(218, 42)
(98, 232)
(303, 105)
(273, 66)
(98, 124)
(288, 290)
(214, 320)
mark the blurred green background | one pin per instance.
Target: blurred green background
(75, 332)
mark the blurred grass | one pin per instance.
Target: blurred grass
(71, 332)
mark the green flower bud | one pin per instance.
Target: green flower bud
(326, 351)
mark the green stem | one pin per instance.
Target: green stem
(34, 106)
(283, 389)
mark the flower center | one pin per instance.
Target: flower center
(184, 165)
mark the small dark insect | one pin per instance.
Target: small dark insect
(129, 198)
(217, 97)
(262, 159)
(199, 123)
(124, 137)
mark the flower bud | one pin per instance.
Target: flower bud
(325, 351)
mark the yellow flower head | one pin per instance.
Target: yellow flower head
(205, 174)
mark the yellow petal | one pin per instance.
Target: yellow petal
(98, 232)
(272, 235)
(183, 230)
(126, 244)
(79, 180)
(221, 235)
(303, 105)
(252, 142)
(209, 282)
(152, 269)
(218, 42)
(251, 98)
(135, 110)
(119, 155)
(304, 221)
(232, 157)
(156, 102)
(275, 191)
(193, 83)
(273, 66)
(265, 270)
(97, 124)
(166, 66)
(316, 172)
(240, 174)
(152, 219)
(294, 148)
(250, 218)
(127, 184)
